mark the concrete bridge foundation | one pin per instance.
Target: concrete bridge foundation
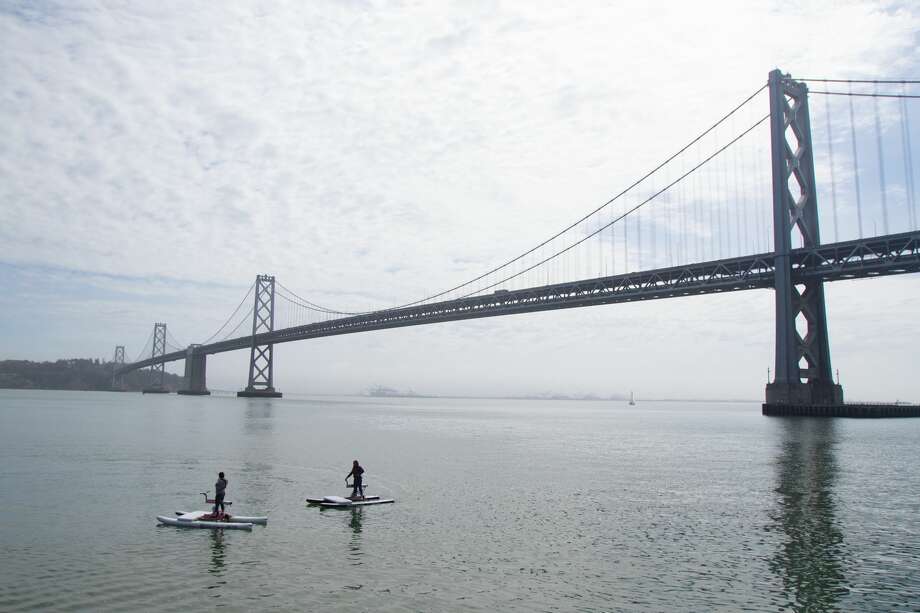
(196, 366)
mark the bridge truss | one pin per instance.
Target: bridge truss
(861, 258)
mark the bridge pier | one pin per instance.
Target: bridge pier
(803, 360)
(195, 372)
(261, 365)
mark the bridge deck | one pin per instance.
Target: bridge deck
(881, 256)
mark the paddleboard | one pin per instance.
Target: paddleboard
(242, 519)
(353, 503)
(214, 525)
(323, 499)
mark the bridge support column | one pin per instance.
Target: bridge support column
(158, 371)
(118, 381)
(803, 360)
(196, 366)
(260, 356)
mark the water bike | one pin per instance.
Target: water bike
(344, 502)
(204, 519)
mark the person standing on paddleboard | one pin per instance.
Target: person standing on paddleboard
(358, 485)
(219, 489)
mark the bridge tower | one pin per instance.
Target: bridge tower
(118, 361)
(803, 361)
(158, 371)
(260, 355)
(195, 372)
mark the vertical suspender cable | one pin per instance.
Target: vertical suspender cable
(669, 254)
(758, 221)
(697, 215)
(722, 209)
(758, 232)
(907, 155)
(639, 237)
(737, 204)
(721, 212)
(712, 217)
(653, 229)
(830, 155)
(882, 184)
(855, 168)
(626, 243)
(600, 248)
(613, 243)
(683, 217)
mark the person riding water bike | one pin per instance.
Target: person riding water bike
(357, 484)
(220, 489)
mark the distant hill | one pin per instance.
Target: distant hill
(75, 374)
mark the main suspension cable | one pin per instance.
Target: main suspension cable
(312, 305)
(624, 215)
(862, 95)
(224, 325)
(906, 81)
(588, 215)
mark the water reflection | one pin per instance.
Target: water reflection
(258, 416)
(355, 522)
(354, 547)
(810, 562)
(217, 552)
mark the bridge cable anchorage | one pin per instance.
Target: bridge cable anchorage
(586, 216)
(624, 215)
(224, 325)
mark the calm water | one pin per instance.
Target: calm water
(500, 505)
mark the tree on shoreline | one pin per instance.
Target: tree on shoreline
(75, 374)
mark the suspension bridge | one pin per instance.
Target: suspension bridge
(734, 209)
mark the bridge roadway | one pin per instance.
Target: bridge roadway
(871, 257)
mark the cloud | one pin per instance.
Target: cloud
(369, 155)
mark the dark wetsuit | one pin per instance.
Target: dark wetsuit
(219, 489)
(358, 485)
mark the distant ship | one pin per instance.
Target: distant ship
(380, 391)
(632, 399)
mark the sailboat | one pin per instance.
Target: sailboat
(632, 399)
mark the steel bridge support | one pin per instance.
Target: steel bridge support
(260, 355)
(118, 381)
(196, 366)
(803, 361)
(158, 371)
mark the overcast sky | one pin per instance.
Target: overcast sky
(155, 157)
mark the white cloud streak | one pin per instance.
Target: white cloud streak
(371, 153)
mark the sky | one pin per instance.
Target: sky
(156, 157)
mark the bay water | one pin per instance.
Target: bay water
(527, 505)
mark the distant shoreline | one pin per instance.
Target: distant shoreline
(219, 393)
